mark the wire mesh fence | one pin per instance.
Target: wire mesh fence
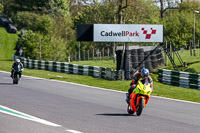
(106, 53)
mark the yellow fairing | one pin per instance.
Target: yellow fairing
(143, 89)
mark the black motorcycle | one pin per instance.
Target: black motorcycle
(17, 74)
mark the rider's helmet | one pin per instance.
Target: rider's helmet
(17, 60)
(144, 73)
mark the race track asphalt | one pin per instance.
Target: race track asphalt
(83, 109)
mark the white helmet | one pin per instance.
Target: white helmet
(18, 60)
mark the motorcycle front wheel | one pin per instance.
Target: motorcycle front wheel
(140, 107)
(15, 79)
(130, 112)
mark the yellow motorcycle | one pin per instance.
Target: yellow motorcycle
(139, 97)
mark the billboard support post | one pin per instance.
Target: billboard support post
(79, 52)
(114, 53)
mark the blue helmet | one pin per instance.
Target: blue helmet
(145, 72)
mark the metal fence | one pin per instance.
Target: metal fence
(106, 53)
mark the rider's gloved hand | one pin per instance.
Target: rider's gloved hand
(151, 87)
(133, 86)
(133, 81)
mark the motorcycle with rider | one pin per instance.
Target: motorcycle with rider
(139, 92)
(16, 71)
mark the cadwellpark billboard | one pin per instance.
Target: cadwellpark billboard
(127, 33)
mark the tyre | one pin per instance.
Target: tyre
(153, 57)
(148, 65)
(134, 65)
(147, 53)
(134, 52)
(140, 51)
(140, 107)
(134, 58)
(13, 81)
(140, 58)
(130, 112)
(154, 64)
(15, 78)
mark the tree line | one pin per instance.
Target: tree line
(49, 26)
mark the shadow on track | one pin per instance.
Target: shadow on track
(115, 114)
(6, 83)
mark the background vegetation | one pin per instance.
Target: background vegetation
(50, 25)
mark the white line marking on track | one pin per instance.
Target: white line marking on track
(73, 131)
(13, 112)
(106, 89)
(175, 100)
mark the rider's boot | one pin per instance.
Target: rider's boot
(129, 93)
(11, 74)
(127, 98)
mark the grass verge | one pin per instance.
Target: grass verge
(99, 63)
(193, 62)
(7, 44)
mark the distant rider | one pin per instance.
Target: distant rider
(14, 67)
(144, 74)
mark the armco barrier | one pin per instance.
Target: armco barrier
(177, 78)
(97, 72)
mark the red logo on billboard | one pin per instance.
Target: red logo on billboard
(148, 36)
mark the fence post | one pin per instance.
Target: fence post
(190, 48)
(69, 58)
(93, 54)
(114, 56)
(88, 54)
(103, 53)
(108, 51)
(75, 57)
(199, 47)
(166, 63)
(97, 52)
(170, 48)
(84, 55)
(79, 51)
(185, 44)
(100, 54)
